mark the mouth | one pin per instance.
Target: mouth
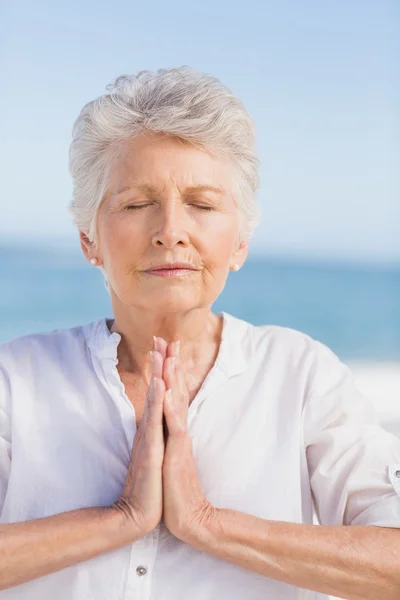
(170, 272)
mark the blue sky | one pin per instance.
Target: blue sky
(320, 78)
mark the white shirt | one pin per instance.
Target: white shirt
(277, 420)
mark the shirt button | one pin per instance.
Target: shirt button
(141, 570)
(397, 473)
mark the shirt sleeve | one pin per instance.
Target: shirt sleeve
(5, 437)
(353, 462)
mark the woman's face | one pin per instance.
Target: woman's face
(160, 208)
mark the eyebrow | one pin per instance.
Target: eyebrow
(150, 189)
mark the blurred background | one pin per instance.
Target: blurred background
(321, 81)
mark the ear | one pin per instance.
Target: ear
(88, 247)
(240, 254)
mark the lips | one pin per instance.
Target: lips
(173, 267)
(171, 270)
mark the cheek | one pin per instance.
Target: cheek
(216, 245)
(218, 253)
(119, 234)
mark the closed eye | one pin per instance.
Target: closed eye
(136, 206)
(202, 207)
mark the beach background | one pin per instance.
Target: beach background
(321, 82)
(353, 309)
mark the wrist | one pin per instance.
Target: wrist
(124, 523)
(202, 537)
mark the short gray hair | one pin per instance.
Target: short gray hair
(182, 102)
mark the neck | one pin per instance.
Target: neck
(199, 331)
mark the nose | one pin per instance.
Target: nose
(171, 227)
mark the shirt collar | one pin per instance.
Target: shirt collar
(231, 356)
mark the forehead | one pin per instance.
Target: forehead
(155, 162)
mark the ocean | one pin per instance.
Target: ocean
(354, 309)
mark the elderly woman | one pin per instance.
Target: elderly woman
(171, 453)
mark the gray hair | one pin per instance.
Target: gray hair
(181, 102)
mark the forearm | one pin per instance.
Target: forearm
(356, 563)
(30, 549)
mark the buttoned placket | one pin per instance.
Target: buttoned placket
(141, 566)
(144, 550)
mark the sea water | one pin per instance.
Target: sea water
(354, 309)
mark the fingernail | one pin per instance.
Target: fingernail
(151, 357)
(155, 342)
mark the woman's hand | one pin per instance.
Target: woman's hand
(186, 510)
(141, 499)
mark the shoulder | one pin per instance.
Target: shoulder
(21, 354)
(291, 352)
(279, 340)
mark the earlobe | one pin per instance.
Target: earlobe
(88, 247)
(241, 254)
(85, 242)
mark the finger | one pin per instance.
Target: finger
(154, 399)
(180, 379)
(175, 401)
(174, 419)
(157, 361)
(183, 394)
(169, 373)
(160, 345)
(180, 383)
(172, 348)
(153, 410)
